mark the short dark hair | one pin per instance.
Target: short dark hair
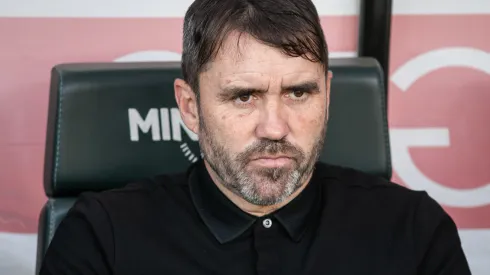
(292, 26)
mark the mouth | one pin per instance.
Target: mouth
(272, 161)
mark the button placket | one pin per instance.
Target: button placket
(265, 243)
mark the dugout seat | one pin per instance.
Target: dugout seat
(113, 123)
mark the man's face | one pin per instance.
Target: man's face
(262, 119)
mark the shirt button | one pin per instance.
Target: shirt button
(267, 223)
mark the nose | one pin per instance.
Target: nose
(273, 123)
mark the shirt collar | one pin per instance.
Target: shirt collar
(226, 221)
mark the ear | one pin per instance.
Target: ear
(187, 102)
(329, 81)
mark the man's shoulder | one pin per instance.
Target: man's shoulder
(353, 178)
(138, 195)
(368, 188)
(354, 193)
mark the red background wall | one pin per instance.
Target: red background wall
(438, 97)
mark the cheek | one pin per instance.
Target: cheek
(308, 125)
(230, 129)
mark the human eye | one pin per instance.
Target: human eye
(298, 95)
(301, 92)
(244, 98)
(238, 96)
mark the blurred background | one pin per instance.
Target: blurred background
(438, 96)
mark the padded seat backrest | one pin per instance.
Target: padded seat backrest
(113, 123)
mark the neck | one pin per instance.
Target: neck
(252, 209)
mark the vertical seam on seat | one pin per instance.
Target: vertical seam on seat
(51, 219)
(58, 133)
(386, 130)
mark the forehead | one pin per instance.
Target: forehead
(244, 56)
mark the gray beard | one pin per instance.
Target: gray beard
(281, 182)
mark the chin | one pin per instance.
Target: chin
(274, 190)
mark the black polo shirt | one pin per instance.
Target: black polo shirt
(343, 222)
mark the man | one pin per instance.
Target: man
(256, 91)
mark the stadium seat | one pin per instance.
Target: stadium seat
(113, 123)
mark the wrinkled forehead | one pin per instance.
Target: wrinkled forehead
(242, 56)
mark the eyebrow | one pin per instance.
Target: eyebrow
(236, 91)
(303, 87)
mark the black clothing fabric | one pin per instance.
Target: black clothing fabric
(343, 223)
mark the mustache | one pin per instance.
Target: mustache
(271, 147)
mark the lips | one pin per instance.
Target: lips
(271, 157)
(272, 161)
